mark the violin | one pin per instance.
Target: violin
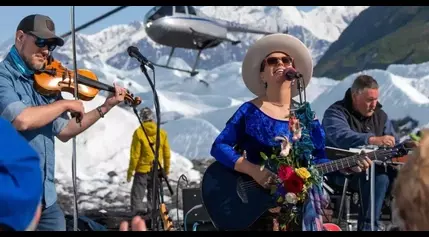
(54, 78)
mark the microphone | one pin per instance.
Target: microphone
(292, 74)
(135, 53)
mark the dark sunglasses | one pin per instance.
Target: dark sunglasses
(41, 43)
(273, 60)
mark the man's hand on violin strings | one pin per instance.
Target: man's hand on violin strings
(116, 98)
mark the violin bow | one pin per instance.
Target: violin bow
(75, 205)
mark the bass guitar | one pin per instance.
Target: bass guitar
(234, 201)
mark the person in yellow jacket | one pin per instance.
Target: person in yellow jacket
(141, 160)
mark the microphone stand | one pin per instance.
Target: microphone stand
(301, 90)
(296, 105)
(155, 164)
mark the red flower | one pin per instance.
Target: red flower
(294, 184)
(291, 181)
(285, 172)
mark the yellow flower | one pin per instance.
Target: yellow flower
(303, 173)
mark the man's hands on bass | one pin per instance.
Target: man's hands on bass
(385, 140)
(363, 164)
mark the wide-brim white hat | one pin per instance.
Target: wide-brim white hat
(275, 43)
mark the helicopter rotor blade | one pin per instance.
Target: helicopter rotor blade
(105, 15)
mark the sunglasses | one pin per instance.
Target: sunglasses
(274, 60)
(41, 43)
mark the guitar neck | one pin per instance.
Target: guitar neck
(350, 161)
(95, 84)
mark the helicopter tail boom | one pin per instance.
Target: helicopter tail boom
(242, 28)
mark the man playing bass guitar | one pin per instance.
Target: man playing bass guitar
(40, 118)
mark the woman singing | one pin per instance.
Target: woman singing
(255, 125)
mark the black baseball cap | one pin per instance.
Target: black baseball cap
(40, 26)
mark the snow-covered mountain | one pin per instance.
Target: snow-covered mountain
(317, 29)
(418, 74)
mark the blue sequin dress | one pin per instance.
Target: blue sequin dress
(253, 131)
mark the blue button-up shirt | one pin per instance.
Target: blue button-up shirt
(16, 94)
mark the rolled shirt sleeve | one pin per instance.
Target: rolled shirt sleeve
(10, 102)
(11, 105)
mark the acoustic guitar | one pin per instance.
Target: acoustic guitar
(234, 201)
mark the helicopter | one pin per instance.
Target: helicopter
(185, 27)
(188, 28)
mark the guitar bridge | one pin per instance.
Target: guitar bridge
(241, 190)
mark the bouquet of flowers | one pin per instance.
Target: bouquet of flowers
(294, 176)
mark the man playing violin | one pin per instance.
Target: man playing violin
(40, 118)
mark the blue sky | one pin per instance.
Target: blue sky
(11, 15)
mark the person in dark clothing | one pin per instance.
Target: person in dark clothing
(359, 120)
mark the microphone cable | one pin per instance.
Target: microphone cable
(184, 178)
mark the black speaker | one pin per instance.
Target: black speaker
(192, 197)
